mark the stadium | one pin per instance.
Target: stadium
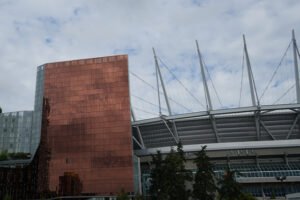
(261, 141)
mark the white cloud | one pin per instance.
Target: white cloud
(35, 32)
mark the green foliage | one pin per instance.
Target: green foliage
(273, 196)
(19, 155)
(12, 156)
(122, 195)
(3, 155)
(246, 196)
(204, 187)
(138, 197)
(177, 175)
(7, 197)
(169, 176)
(0, 110)
(229, 189)
(158, 182)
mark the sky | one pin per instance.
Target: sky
(35, 32)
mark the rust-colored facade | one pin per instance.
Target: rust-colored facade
(88, 134)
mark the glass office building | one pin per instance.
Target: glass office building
(89, 129)
(15, 131)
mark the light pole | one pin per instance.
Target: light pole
(281, 179)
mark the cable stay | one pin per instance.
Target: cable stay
(293, 101)
(138, 77)
(144, 111)
(241, 88)
(155, 89)
(148, 102)
(275, 71)
(285, 93)
(255, 89)
(212, 83)
(189, 92)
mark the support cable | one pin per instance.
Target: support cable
(294, 101)
(145, 111)
(241, 88)
(179, 104)
(255, 90)
(189, 92)
(138, 77)
(155, 89)
(157, 86)
(144, 100)
(275, 72)
(212, 83)
(288, 90)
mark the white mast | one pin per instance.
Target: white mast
(296, 66)
(158, 75)
(207, 95)
(250, 75)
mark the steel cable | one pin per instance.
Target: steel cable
(212, 83)
(154, 88)
(284, 94)
(135, 96)
(145, 111)
(275, 72)
(189, 92)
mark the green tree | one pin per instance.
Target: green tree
(229, 188)
(122, 195)
(3, 155)
(204, 187)
(158, 181)
(138, 197)
(0, 110)
(7, 197)
(273, 196)
(169, 176)
(246, 196)
(176, 174)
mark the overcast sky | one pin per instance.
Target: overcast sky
(34, 32)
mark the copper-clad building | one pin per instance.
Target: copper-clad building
(88, 134)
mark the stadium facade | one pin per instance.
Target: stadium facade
(82, 138)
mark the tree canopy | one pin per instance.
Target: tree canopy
(122, 195)
(229, 188)
(169, 176)
(158, 185)
(204, 187)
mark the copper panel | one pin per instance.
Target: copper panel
(89, 131)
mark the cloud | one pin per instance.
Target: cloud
(35, 32)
